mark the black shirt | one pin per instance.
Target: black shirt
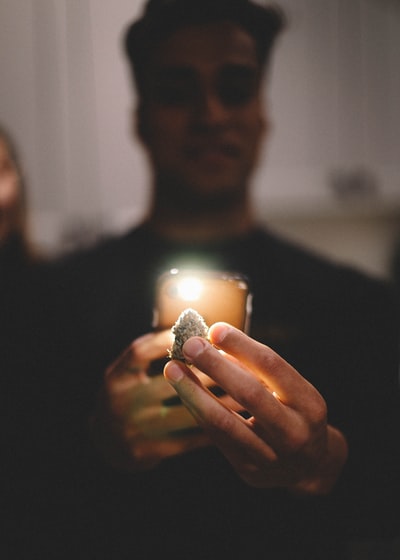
(336, 326)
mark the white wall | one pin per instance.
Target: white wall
(65, 94)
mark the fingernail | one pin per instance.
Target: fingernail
(193, 347)
(218, 332)
(173, 372)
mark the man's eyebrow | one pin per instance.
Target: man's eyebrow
(184, 71)
(241, 68)
(174, 71)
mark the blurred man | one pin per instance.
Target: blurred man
(298, 451)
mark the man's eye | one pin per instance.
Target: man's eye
(235, 94)
(237, 85)
(173, 94)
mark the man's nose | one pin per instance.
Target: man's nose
(210, 108)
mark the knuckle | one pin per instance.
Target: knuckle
(135, 350)
(318, 412)
(297, 441)
(271, 362)
(255, 393)
(225, 424)
(210, 359)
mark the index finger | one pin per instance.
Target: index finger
(279, 376)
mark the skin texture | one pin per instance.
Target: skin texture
(203, 145)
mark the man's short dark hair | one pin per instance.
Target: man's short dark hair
(161, 18)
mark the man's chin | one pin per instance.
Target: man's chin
(211, 198)
(203, 191)
(214, 185)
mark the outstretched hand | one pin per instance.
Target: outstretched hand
(285, 441)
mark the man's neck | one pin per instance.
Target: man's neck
(199, 224)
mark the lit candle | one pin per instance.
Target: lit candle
(215, 295)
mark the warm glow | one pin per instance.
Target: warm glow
(190, 288)
(215, 295)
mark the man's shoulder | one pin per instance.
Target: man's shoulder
(304, 270)
(111, 247)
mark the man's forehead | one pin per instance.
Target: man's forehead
(207, 44)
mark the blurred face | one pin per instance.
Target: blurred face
(202, 118)
(9, 191)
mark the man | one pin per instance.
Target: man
(316, 461)
(201, 119)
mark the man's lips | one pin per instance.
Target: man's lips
(213, 151)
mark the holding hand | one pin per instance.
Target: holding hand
(286, 441)
(139, 420)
